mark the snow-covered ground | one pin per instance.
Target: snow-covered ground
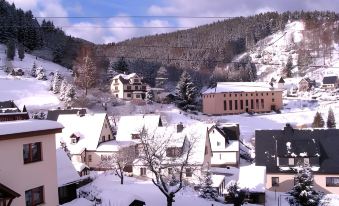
(26, 90)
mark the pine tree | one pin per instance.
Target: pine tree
(56, 82)
(41, 76)
(63, 88)
(149, 96)
(33, 70)
(186, 92)
(236, 194)
(289, 67)
(120, 66)
(318, 121)
(206, 190)
(70, 93)
(10, 50)
(331, 119)
(302, 192)
(21, 52)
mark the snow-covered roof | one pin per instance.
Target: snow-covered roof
(113, 146)
(125, 76)
(88, 127)
(129, 125)
(232, 146)
(66, 172)
(217, 180)
(23, 126)
(253, 178)
(79, 166)
(241, 87)
(79, 202)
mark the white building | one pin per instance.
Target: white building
(128, 87)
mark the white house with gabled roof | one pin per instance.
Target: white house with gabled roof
(83, 134)
(128, 86)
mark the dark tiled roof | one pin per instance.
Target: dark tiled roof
(7, 104)
(123, 80)
(319, 142)
(330, 80)
(54, 114)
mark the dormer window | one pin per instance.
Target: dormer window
(75, 138)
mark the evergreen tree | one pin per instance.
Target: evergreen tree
(236, 195)
(56, 82)
(318, 121)
(86, 73)
(10, 50)
(331, 119)
(302, 192)
(41, 76)
(207, 190)
(185, 92)
(33, 70)
(70, 93)
(289, 67)
(21, 52)
(120, 66)
(63, 88)
(149, 96)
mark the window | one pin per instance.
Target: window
(116, 88)
(262, 104)
(256, 94)
(251, 95)
(116, 95)
(32, 152)
(116, 81)
(224, 95)
(173, 152)
(136, 80)
(218, 143)
(241, 104)
(103, 138)
(137, 96)
(272, 99)
(230, 104)
(34, 196)
(246, 103)
(272, 93)
(109, 136)
(128, 95)
(170, 171)
(235, 95)
(267, 94)
(291, 161)
(135, 136)
(189, 172)
(90, 158)
(252, 104)
(257, 103)
(275, 181)
(128, 87)
(225, 106)
(332, 181)
(142, 171)
(262, 94)
(136, 87)
(236, 104)
(246, 94)
(230, 95)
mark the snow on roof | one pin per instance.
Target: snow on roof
(88, 127)
(253, 178)
(113, 146)
(22, 126)
(67, 173)
(217, 180)
(125, 76)
(79, 166)
(232, 146)
(241, 87)
(79, 202)
(129, 125)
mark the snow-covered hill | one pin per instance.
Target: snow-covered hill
(26, 90)
(270, 54)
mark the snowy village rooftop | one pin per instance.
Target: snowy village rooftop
(28, 126)
(67, 173)
(241, 87)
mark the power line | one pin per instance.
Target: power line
(134, 16)
(103, 27)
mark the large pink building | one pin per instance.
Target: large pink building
(240, 97)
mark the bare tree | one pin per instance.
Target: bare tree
(86, 72)
(155, 157)
(119, 161)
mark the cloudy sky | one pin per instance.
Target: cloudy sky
(120, 19)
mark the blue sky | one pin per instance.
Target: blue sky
(93, 29)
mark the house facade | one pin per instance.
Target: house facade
(224, 141)
(128, 87)
(26, 158)
(282, 152)
(306, 84)
(330, 82)
(240, 97)
(82, 135)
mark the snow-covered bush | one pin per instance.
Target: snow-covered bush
(207, 190)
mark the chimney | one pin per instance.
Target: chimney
(180, 127)
(288, 129)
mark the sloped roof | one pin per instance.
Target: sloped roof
(241, 87)
(6, 192)
(7, 104)
(330, 80)
(129, 125)
(321, 144)
(281, 80)
(88, 127)
(66, 172)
